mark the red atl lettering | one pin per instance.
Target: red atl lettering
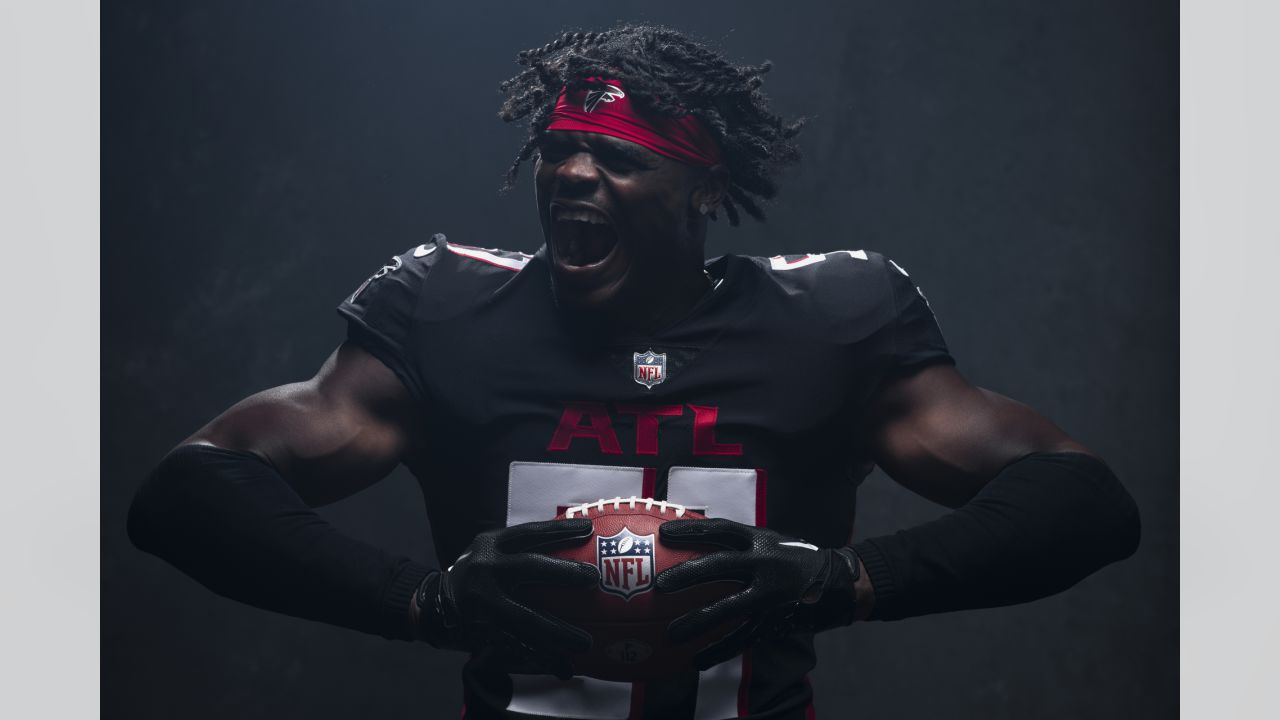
(600, 428)
(647, 424)
(704, 433)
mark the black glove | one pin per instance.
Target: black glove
(790, 585)
(469, 606)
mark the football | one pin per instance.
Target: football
(624, 613)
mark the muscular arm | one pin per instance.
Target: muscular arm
(943, 438)
(330, 436)
(1035, 511)
(231, 506)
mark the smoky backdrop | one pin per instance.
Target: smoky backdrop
(260, 159)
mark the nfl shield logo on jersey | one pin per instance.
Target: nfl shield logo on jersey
(625, 561)
(651, 367)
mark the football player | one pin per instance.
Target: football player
(618, 361)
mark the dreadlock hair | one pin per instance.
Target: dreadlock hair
(664, 71)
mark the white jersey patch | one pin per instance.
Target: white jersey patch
(490, 256)
(778, 262)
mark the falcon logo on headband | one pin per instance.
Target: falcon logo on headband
(595, 97)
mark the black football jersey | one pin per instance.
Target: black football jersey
(746, 408)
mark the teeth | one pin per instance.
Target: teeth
(580, 215)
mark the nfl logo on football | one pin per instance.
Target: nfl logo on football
(625, 561)
(651, 367)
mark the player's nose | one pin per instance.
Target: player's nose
(578, 169)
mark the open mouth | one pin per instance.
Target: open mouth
(583, 236)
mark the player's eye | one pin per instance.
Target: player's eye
(618, 161)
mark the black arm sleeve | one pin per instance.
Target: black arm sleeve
(231, 522)
(1044, 523)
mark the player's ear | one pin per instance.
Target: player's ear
(710, 190)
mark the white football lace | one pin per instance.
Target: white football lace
(585, 508)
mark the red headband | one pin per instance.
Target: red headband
(608, 111)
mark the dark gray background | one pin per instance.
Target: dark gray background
(1020, 159)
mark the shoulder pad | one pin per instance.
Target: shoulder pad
(464, 276)
(436, 280)
(844, 293)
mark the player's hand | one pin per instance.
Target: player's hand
(470, 606)
(790, 585)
